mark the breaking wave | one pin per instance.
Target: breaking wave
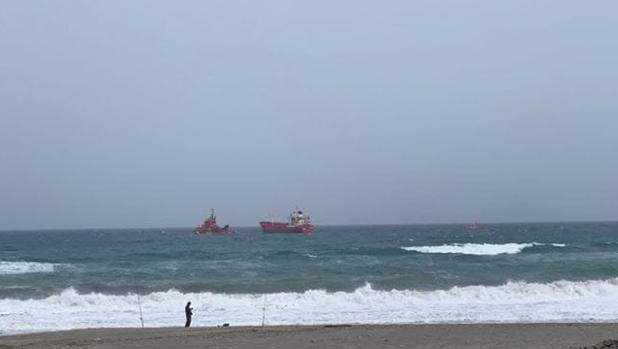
(478, 249)
(10, 268)
(513, 302)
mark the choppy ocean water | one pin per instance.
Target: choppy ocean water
(554, 272)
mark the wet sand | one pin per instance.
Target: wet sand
(535, 336)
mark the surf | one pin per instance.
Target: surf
(478, 249)
(512, 302)
(21, 267)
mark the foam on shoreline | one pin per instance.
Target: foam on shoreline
(513, 302)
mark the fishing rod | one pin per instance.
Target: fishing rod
(264, 310)
(141, 315)
(139, 303)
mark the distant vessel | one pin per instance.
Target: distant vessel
(210, 226)
(473, 226)
(299, 223)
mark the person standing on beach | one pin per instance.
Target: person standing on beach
(188, 314)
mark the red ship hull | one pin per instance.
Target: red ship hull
(474, 226)
(286, 228)
(220, 231)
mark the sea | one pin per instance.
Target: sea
(388, 274)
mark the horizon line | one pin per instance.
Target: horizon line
(323, 225)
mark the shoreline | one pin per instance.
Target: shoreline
(465, 336)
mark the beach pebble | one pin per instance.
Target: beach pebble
(606, 344)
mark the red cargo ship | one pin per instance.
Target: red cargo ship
(473, 226)
(299, 224)
(210, 227)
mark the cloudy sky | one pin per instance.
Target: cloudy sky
(149, 113)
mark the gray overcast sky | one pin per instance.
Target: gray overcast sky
(149, 113)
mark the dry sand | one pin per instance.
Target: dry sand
(535, 336)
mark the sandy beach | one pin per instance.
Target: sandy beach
(536, 336)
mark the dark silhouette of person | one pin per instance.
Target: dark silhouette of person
(188, 313)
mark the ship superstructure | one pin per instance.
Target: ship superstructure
(210, 226)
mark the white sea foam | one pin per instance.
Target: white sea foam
(513, 302)
(478, 249)
(7, 268)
